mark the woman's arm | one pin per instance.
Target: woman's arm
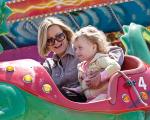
(116, 53)
(48, 65)
(76, 89)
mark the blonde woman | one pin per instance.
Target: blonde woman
(55, 36)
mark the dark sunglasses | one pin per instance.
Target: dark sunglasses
(59, 37)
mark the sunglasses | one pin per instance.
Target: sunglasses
(59, 38)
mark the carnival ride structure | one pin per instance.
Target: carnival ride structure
(28, 84)
(26, 15)
(136, 39)
(28, 91)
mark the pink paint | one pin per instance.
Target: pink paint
(21, 53)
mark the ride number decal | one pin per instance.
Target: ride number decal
(142, 83)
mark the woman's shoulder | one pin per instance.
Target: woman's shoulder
(49, 62)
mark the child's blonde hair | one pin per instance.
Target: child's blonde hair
(42, 33)
(95, 36)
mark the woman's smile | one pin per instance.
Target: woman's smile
(58, 46)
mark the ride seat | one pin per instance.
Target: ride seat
(131, 65)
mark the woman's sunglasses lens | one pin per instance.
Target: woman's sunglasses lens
(60, 37)
(51, 41)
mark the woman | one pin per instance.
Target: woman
(55, 36)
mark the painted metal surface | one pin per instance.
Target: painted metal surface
(24, 33)
(40, 82)
(29, 9)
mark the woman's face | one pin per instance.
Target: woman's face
(56, 40)
(84, 49)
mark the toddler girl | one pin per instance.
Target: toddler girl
(91, 48)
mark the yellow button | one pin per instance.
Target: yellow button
(125, 98)
(9, 68)
(144, 95)
(47, 88)
(27, 78)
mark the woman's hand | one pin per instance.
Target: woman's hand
(93, 80)
(77, 89)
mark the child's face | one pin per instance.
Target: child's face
(84, 49)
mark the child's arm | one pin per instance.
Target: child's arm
(103, 75)
(110, 67)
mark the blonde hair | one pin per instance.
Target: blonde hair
(42, 33)
(94, 36)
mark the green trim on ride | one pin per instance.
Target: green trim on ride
(5, 11)
(1, 48)
(17, 104)
(134, 40)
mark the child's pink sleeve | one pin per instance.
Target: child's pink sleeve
(104, 75)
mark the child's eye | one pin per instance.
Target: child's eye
(80, 48)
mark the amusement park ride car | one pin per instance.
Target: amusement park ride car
(26, 79)
(28, 91)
